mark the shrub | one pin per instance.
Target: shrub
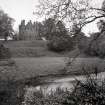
(89, 92)
(93, 46)
(83, 45)
(60, 43)
(55, 98)
(101, 49)
(9, 92)
(4, 52)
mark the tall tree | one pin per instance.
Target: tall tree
(49, 27)
(6, 23)
(60, 27)
(79, 11)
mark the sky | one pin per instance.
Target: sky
(19, 9)
(23, 9)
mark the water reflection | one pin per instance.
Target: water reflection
(63, 83)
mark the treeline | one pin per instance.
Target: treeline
(60, 39)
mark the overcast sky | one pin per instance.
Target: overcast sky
(19, 9)
(23, 9)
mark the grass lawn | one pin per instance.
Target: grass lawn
(86, 65)
(22, 43)
(36, 48)
(33, 58)
(31, 67)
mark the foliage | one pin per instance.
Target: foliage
(101, 25)
(15, 36)
(60, 42)
(11, 92)
(56, 34)
(79, 38)
(55, 98)
(40, 29)
(4, 52)
(5, 25)
(83, 45)
(93, 46)
(60, 27)
(49, 27)
(91, 91)
(79, 11)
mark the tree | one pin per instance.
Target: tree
(59, 42)
(79, 11)
(40, 29)
(60, 27)
(4, 52)
(101, 25)
(49, 27)
(59, 38)
(6, 23)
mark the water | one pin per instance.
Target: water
(60, 82)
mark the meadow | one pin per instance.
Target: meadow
(33, 64)
(43, 63)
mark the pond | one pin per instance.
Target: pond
(59, 82)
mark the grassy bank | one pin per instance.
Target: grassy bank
(35, 48)
(45, 66)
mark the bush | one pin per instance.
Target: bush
(89, 92)
(4, 52)
(9, 92)
(55, 98)
(60, 43)
(93, 46)
(101, 49)
(83, 45)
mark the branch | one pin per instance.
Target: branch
(95, 18)
(99, 9)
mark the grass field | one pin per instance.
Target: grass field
(33, 67)
(53, 65)
(34, 43)
(32, 58)
(35, 48)
(86, 65)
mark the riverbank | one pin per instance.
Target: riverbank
(19, 73)
(49, 67)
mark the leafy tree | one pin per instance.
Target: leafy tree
(4, 52)
(59, 42)
(58, 37)
(6, 28)
(49, 27)
(40, 29)
(60, 27)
